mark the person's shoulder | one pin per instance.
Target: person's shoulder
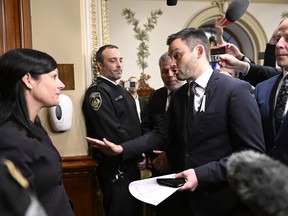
(7, 126)
(268, 82)
(97, 84)
(228, 82)
(156, 93)
(12, 132)
(159, 91)
(229, 78)
(100, 85)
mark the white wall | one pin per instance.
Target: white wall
(173, 19)
(58, 29)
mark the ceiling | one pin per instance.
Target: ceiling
(251, 1)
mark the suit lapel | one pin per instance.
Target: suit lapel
(270, 106)
(211, 85)
(183, 109)
(209, 91)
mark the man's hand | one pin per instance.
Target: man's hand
(229, 61)
(191, 180)
(233, 50)
(142, 164)
(220, 23)
(105, 146)
(160, 163)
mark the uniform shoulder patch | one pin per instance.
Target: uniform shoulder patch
(95, 100)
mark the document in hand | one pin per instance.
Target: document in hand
(149, 191)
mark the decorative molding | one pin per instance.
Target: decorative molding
(222, 5)
(143, 37)
(94, 36)
(105, 22)
(248, 23)
(99, 28)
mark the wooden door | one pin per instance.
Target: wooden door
(15, 25)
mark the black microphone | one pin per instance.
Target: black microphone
(236, 9)
(260, 181)
(171, 2)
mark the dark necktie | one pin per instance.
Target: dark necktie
(168, 100)
(190, 106)
(281, 103)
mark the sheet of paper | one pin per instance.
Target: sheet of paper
(149, 191)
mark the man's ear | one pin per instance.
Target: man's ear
(199, 50)
(99, 65)
(28, 81)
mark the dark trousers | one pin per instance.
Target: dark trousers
(175, 205)
(117, 199)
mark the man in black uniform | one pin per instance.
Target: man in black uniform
(110, 112)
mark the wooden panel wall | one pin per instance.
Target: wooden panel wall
(79, 179)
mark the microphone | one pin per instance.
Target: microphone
(236, 10)
(171, 2)
(261, 182)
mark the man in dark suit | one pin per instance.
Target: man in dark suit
(159, 99)
(141, 102)
(158, 104)
(142, 110)
(266, 94)
(223, 118)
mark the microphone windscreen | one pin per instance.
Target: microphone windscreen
(171, 2)
(236, 9)
(260, 181)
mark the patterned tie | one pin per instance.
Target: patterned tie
(190, 106)
(281, 103)
(192, 89)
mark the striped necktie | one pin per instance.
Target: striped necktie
(190, 106)
(281, 103)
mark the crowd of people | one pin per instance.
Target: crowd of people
(230, 115)
(190, 126)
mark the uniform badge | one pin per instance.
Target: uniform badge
(118, 98)
(95, 100)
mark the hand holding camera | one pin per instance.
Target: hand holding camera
(129, 84)
(215, 54)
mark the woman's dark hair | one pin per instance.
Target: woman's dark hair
(14, 64)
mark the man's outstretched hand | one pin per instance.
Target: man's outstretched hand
(105, 146)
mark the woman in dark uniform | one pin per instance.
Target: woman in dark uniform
(28, 82)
